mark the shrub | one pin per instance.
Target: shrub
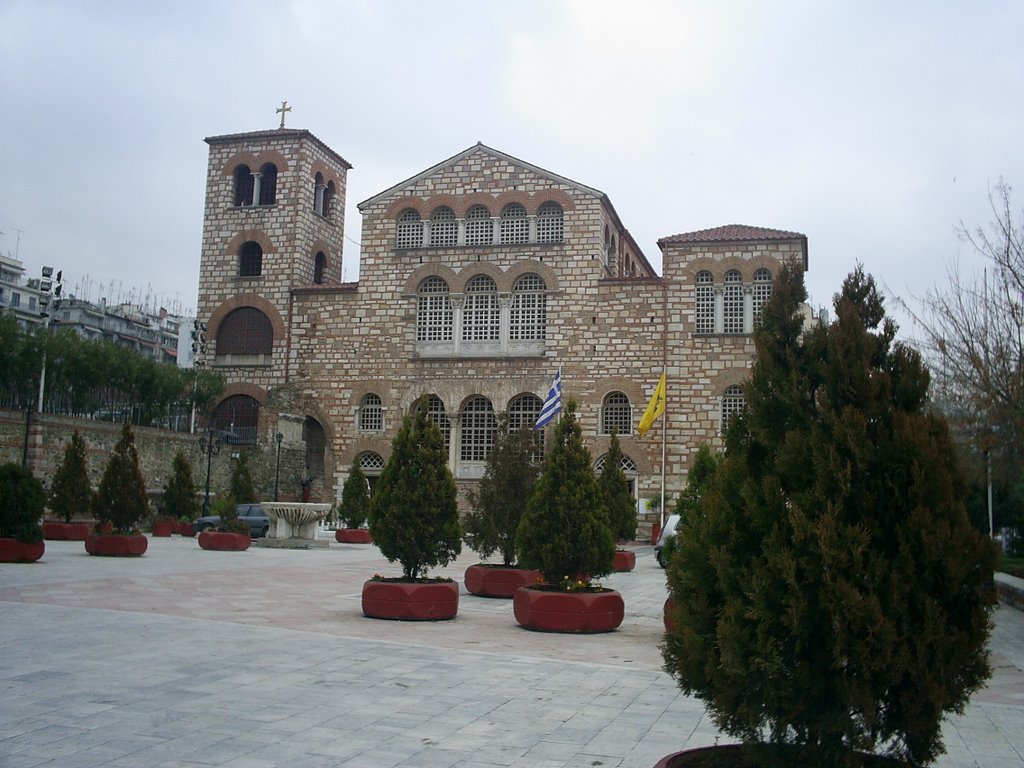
(414, 516)
(564, 532)
(618, 500)
(504, 491)
(830, 590)
(71, 490)
(22, 501)
(241, 481)
(121, 499)
(180, 490)
(355, 498)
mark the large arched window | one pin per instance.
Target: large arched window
(514, 226)
(705, 301)
(371, 413)
(329, 194)
(444, 230)
(245, 331)
(628, 467)
(319, 265)
(523, 412)
(478, 427)
(616, 414)
(761, 293)
(250, 260)
(480, 314)
(238, 417)
(243, 185)
(550, 227)
(268, 184)
(479, 229)
(433, 311)
(371, 464)
(410, 229)
(528, 317)
(437, 413)
(732, 307)
(733, 402)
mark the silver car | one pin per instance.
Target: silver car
(666, 533)
(252, 514)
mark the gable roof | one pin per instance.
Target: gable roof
(731, 233)
(478, 147)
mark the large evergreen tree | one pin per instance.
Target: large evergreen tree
(121, 499)
(241, 481)
(564, 532)
(355, 498)
(180, 490)
(71, 491)
(504, 491)
(22, 499)
(830, 590)
(414, 515)
(618, 500)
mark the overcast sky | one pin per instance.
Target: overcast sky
(874, 128)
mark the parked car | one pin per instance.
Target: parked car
(252, 514)
(666, 533)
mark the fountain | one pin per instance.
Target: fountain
(294, 525)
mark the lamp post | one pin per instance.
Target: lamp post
(47, 287)
(209, 444)
(277, 475)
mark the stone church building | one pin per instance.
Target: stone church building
(479, 278)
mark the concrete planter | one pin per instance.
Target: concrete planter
(623, 561)
(14, 551)
(548, 610)
(223, 541)
(498, 580)
(116, 545)
(163, 528)
(411, 601)
(66, 531)
(353, 536)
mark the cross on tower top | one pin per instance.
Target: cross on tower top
(281, 110)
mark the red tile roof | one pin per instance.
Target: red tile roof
(731, 233)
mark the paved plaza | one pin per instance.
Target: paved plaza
(262, 659)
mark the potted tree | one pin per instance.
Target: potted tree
(231, 534)
(354, 508)
(21, 508)
(120, 504)
(620, 504)
(180, 504)
(70, 494)
(496, 509)
(241, 481)
(414, 519)
(831, 596)
(565, 534)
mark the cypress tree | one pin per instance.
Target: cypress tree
(565, 532)
(71, 490)
(504, 491)
(414, 515)
(241, 481)
(121, 499)
(180, 490)
(355, 498)
(22, 500)
(830, 589)
(618, 500)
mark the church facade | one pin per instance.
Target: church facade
(479, 278)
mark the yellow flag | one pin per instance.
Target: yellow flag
(654, 408)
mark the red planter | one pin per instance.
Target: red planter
(752, 754)
(353, 536)
(223, 541)
(429, 601)
(498, 580)
(186, 529)
(14, 551)
(666, 614)
(116, 545)
(553, 611)
(163, 528)
(624, 561)
(65, 531)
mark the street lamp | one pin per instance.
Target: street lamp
(277, 475)
(210, 444)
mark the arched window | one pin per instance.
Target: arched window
(250, 260)
(616, 414)
(626, 464)
(437, 413)
(410, 229)
(371, 414)
(762, 292)
(478, 427)
(444, 230)
(268, 184)
(550, 227)
(732, 308)
(705, 301)
(319, 265)
(243, 185)
(613, 254)
(479, 230)
(514, 226)
(245, 331)
(433, 311)
(733, 402)
(523, 412)
(528, 317)
(318, 194)
(238, 416)
(480, 314)
(329, 193)
(371, 464)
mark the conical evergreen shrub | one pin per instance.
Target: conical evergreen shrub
(179, 499)
(71, 491)
(830, 590)
(414, 515)
(241, 481)
(618, 500)
(22, 500)
(355, 498)
(565, 532)
(121, 499)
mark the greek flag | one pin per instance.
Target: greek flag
(552, 404)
